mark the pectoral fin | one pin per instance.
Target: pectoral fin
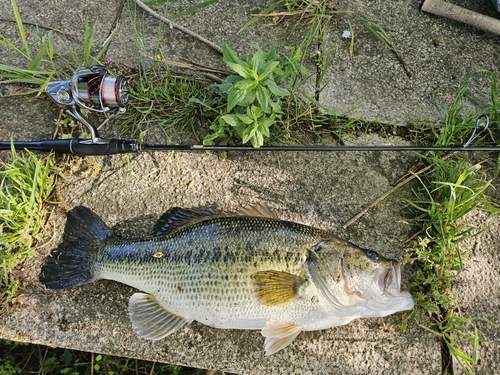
(276, 287)
(279, 335)
(150, 320)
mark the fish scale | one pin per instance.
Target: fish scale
(221, 282)
(247, 270)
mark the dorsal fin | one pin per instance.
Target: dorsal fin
(176, 218)
(259, 210)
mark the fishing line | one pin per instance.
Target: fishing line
(93, 89)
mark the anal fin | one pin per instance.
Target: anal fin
(279, 335)
(150, 320)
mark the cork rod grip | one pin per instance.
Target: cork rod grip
(454, 12)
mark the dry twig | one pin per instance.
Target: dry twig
(178, 27)
(386, 194)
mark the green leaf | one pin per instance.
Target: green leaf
(268, 69)
(258, 140)
(244, 118)
(238, 97)
(49, 364)
(248, 134)
(257, 61)
(67, 358)
(232, 99)
(254, 112)
(20, 27)
(240, 69)
(38, 58)
(232, 120)
(275, 89)
(245, 85)
(276, 106)
(263, 98)
(229, 56)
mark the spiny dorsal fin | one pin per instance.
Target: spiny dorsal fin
(276, 287)
(258, 210)
(279, 335)
(150, 320)
(177, 217)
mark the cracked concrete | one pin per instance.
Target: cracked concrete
(327, 189)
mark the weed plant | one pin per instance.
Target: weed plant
(253, 97)
(37, 55)
(20, 358)
(26, 184)
(161, 100)
(451, 189)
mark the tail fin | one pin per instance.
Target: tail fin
(70, 264)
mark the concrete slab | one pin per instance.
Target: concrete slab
(326, 189)
(439, 53)
(478, 294)
(130, 195)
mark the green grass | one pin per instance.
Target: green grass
(40, 64)
(160, 102)
(451, 188)
(26, 184)
(20, 358)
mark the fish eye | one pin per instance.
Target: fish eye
(372, 255)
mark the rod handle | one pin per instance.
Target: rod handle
(454, 12)
(77, 146)
(111, 147)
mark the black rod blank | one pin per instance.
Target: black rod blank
(116, 146)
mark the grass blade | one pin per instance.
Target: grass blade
(38, 58)
(256, 18)
(20, 26)
(193, 8)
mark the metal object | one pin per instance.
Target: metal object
(91, 89)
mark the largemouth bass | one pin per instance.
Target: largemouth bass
(246, 270)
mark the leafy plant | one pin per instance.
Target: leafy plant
(253, 94)
(451, 188)
(455, 190)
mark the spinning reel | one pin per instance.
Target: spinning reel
(92, 89)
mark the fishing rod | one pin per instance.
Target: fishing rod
(93, 89)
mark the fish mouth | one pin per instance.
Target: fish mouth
(390, 280)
